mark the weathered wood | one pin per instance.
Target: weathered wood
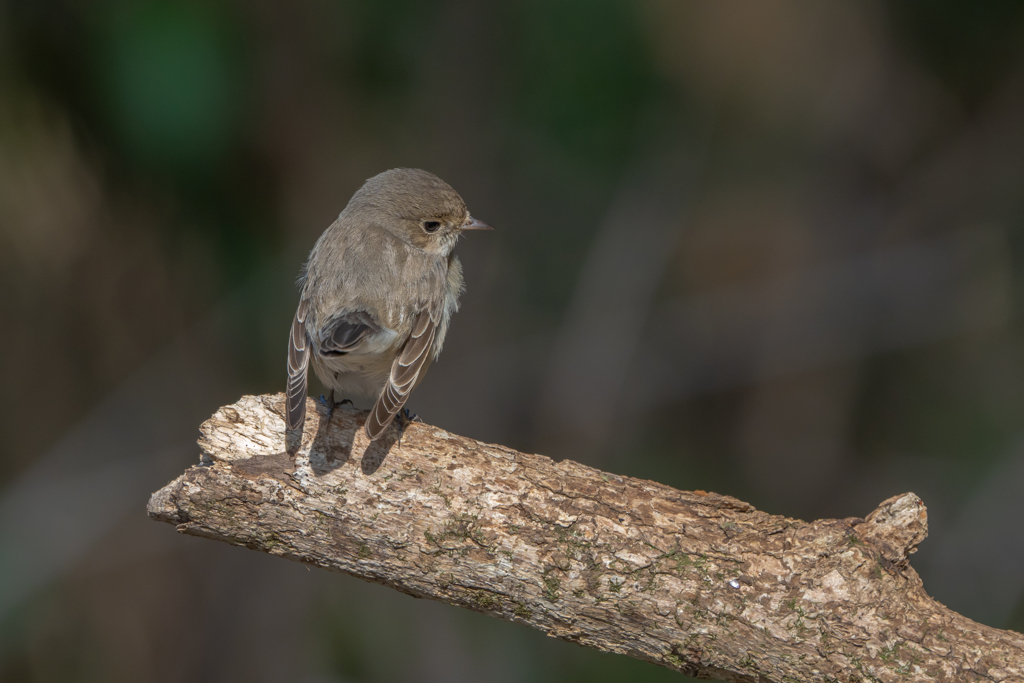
(698, 582)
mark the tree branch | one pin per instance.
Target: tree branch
(694, 581)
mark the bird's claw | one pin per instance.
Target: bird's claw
(330, 404)
(403, 420)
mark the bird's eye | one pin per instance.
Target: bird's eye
(431, 226)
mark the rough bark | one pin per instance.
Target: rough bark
(694, 581)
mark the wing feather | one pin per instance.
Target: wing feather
(345, 332)
(298, 365)
(405, 370)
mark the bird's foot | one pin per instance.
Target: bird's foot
(328, 403)
(403, 420)
(409, 418)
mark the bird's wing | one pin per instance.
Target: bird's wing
(405, 370)
(298, 364)
(345, 332)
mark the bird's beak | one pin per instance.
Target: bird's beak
(474, 224)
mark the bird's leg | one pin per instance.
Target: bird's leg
(328, 403)
(408, 417)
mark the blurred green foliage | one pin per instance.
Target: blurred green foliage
(170, 89)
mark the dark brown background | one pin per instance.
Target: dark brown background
(769, 251)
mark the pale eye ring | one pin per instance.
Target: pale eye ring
(431, 226)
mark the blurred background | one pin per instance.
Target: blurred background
(771, 251)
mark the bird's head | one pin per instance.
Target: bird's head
(417, 207)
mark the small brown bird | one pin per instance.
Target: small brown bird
(378, 292)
